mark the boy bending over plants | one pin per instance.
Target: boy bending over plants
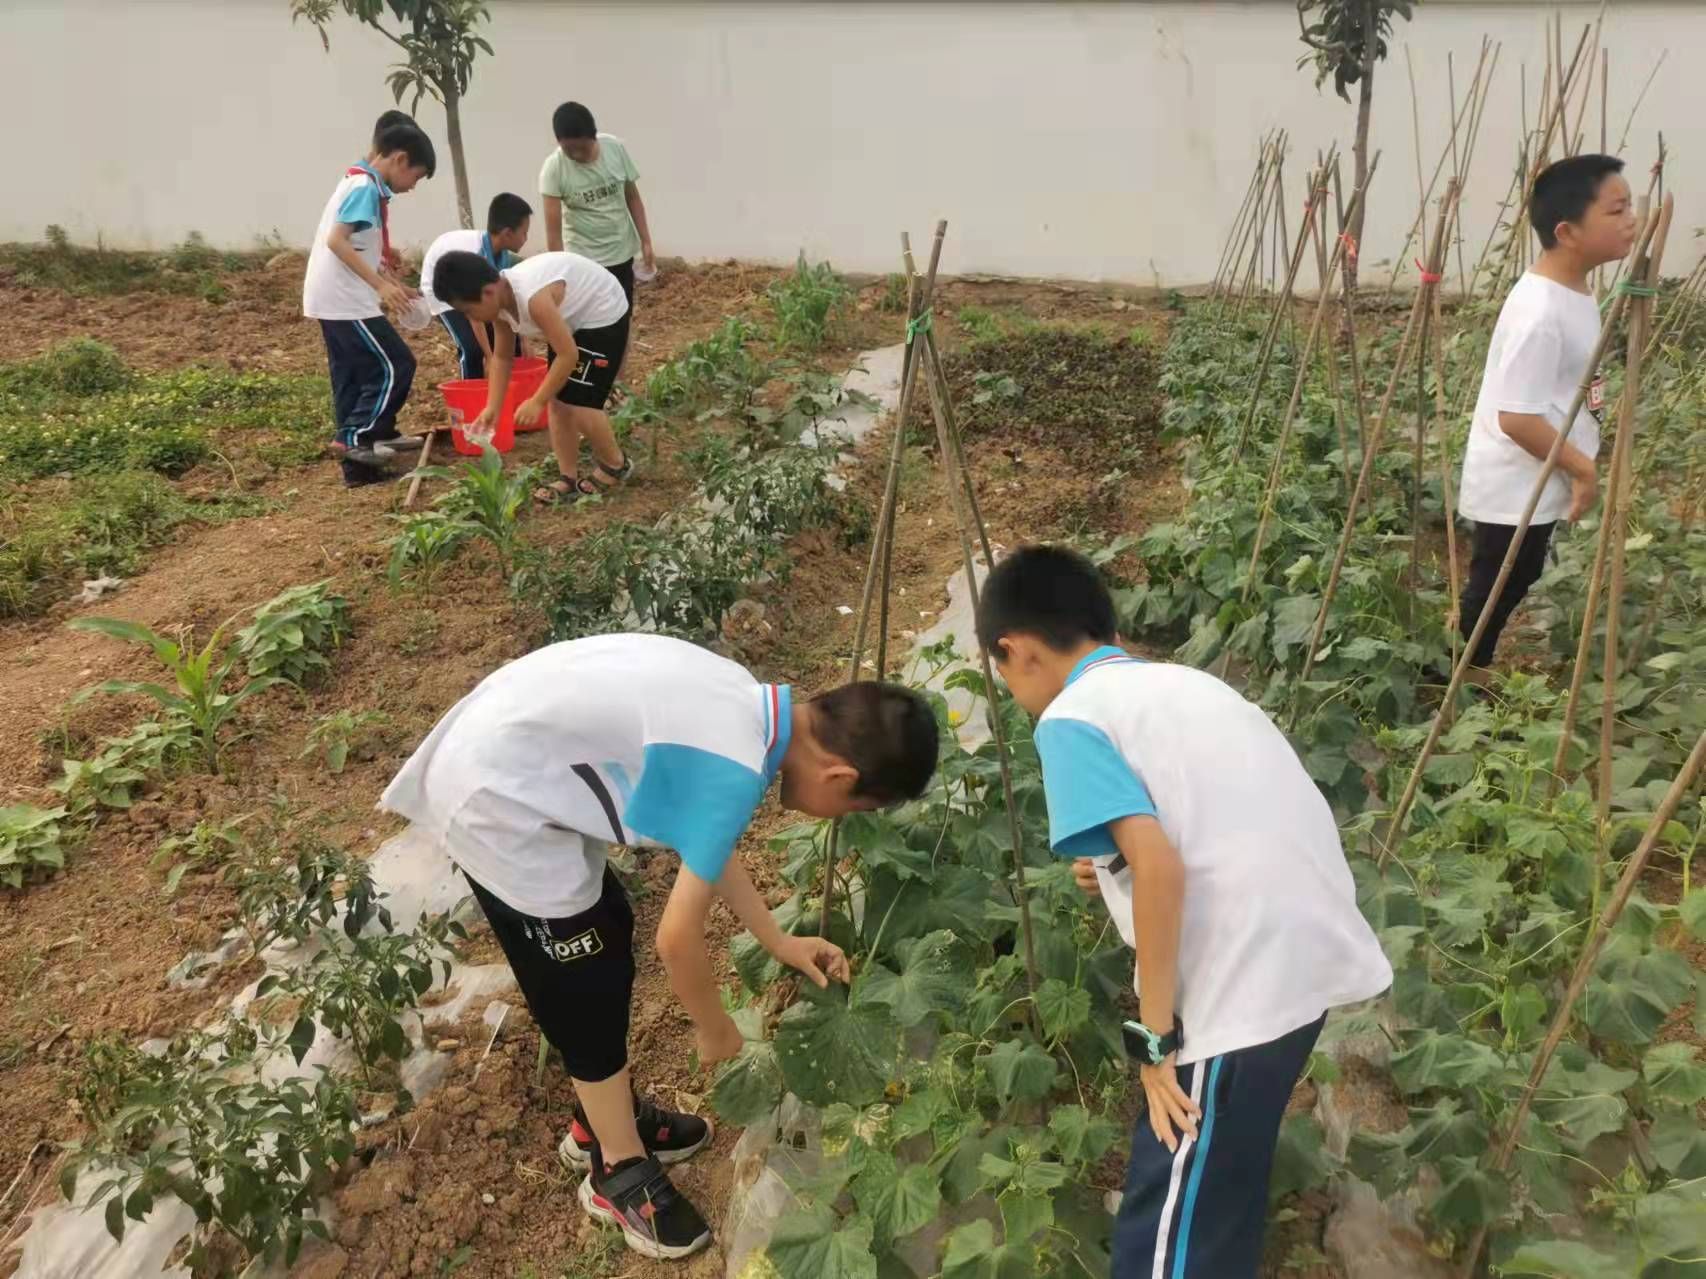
(639, 739)
(1191, 816)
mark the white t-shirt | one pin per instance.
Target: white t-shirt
(626, 739)
(592, 297)
(1271, 936)
(330, 290)
(458, 241)
(1535, 361)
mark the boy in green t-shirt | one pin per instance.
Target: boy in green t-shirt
(592, 197)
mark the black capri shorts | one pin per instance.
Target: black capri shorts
(601, 352)
(576, 974)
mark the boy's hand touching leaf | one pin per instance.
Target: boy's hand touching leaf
(816, 958)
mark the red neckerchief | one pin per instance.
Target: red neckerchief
(384, 209)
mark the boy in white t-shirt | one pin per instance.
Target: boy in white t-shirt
(345, 288)
(639, 739)
(507, 222)
(577, 307)
(1539, 352)
(1187, 810)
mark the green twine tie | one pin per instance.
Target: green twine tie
(916, 326)
(1629, 289)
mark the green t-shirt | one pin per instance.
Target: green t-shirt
(596, 222)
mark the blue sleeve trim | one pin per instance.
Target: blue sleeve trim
(1088, 784)
(361, 206)
(696, 802)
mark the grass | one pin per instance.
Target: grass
(192, 268)
(86, 444)
(78, 409)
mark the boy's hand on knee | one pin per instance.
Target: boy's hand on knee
(1170, 1107)
(1084, 872)
(816, 958)
(718, 1041)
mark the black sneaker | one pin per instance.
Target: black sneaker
(656, 1219)
(670, 1135)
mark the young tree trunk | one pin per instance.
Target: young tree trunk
(458, 162)
(1365, 108)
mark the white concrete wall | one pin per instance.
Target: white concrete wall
(1086, 140)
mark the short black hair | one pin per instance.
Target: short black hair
(1564, 191)
(572, 120)
(1047, 591)
(389, 120)
(412, 142)
(507, 212)
(462, 277)
(885, 731)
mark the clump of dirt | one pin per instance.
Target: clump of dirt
(1045, 381)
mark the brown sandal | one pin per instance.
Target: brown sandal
(560, 492)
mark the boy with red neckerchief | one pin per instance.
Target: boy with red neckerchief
(347, 289)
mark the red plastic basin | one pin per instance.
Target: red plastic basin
(466, 400)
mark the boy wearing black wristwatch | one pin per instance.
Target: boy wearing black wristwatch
(1187, 811)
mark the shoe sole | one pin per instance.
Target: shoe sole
(571, 1153)
(639, 1243)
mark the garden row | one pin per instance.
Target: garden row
(204, 1119)
(1486, 899)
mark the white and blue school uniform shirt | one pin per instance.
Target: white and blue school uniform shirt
(459, 241)
(1271, 936)
(330, 290)
(626, 739)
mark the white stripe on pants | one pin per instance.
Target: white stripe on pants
(1181, 1157)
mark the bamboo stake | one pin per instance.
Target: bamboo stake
(1372, 450)
(1236, 264)
(1639, 99)
(1616, 494)
(919, 291)
(1330, 355)
(1553, 118)
(420, 471)
(1348, 327)
(1587, 85)
(1258, 254)
(1453, 581)
(1282, 305)
(1690, 510)
(1402, 809)
(1644, 276)
(1418, 225)
(1606, 921)
(1277, 466)
(1237, 223)
(964, 497)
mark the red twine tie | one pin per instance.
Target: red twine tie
(1428, 277)
(1349, 241)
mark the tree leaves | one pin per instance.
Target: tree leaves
(813, 1243)
(935, 973)
(836, 1049)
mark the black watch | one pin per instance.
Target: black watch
(1148, 1047)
